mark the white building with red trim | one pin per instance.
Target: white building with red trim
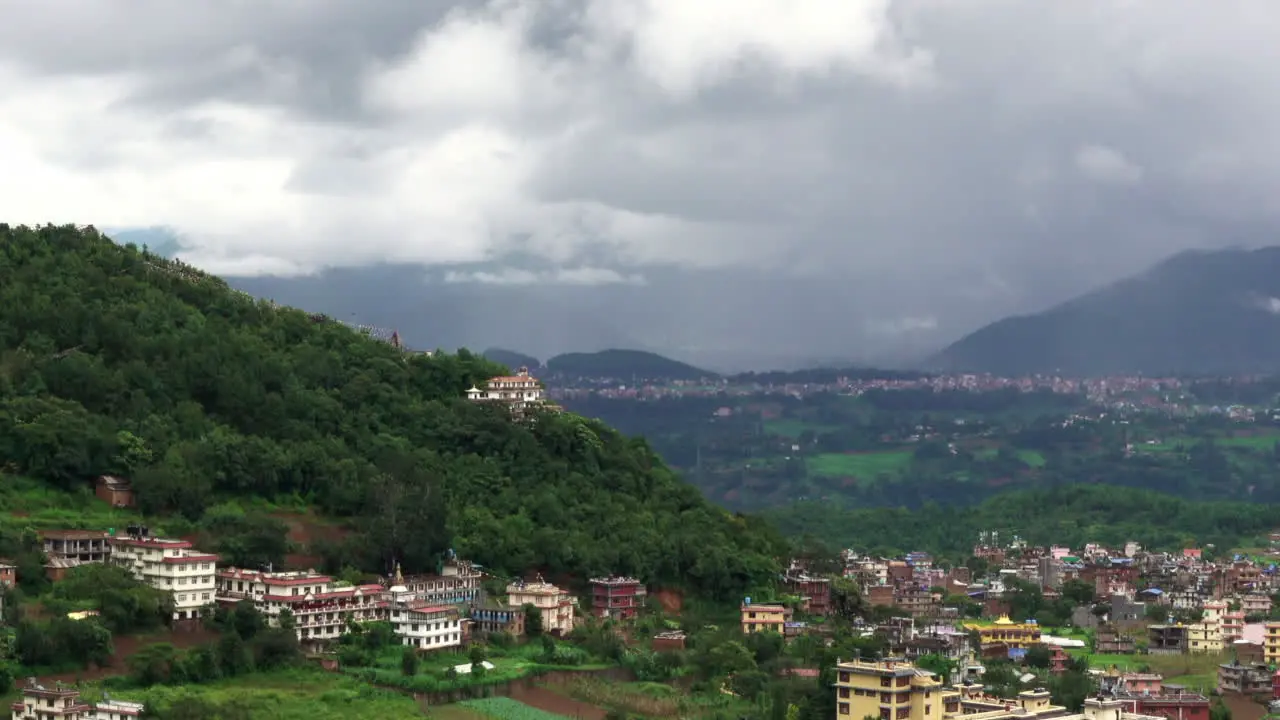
(424, 625)
(170, 565)
(321, 607)
(516, 391)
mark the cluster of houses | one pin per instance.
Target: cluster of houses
(1157, 603)
(967, 645)
(897, 689)
(1232, 598)
(429, 612)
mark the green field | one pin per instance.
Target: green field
(293, 695)
(38, 505)
(790, 428)
(455, 711)
(501, 708)
(1195, 671)
(1030, 457)
(652, 699)
(864, 466)
(1262, 442)
(433, 669)
(1253, 442)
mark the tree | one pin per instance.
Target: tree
(409, 662)
(532, 620)
(941, 666)
(847, 602)
(1078, 592)
(1219, 711)
(1038, 656)
(246, 621)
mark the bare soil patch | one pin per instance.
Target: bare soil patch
(553, 702)
(672, 600)
(128, 645)
(304, 531)
(1243, 707)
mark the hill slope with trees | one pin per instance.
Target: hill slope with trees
(116, 361)
(1213, 313)
(624, 365)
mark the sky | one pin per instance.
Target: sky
(789, 178)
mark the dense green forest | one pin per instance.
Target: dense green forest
(1070, 515)
(113, 360)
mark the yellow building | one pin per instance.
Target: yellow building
(1008, 633)
(897, 690)
(764, 618)
(556, 606)
(1271, 644)
(1206, 636)
(891, 690)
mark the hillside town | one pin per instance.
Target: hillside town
(1139, 604)
(931, 627)
(1123, 602)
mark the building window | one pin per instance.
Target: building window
(844, 708)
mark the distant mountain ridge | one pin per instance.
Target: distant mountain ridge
(624, 365)
(1198, 312)
(512, 359)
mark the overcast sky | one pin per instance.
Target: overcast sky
(928, 165)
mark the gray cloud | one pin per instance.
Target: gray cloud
(821, 174)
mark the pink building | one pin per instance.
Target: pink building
(617, 597)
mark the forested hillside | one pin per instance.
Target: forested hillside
(116, 361)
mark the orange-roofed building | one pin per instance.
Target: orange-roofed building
(517, 391)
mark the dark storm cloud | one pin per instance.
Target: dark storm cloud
(847, 178)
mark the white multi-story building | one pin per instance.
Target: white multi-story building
(320, 606)
(518, 391)
(425, 626)
(172, 566)
(458, 582)
(554, 604)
